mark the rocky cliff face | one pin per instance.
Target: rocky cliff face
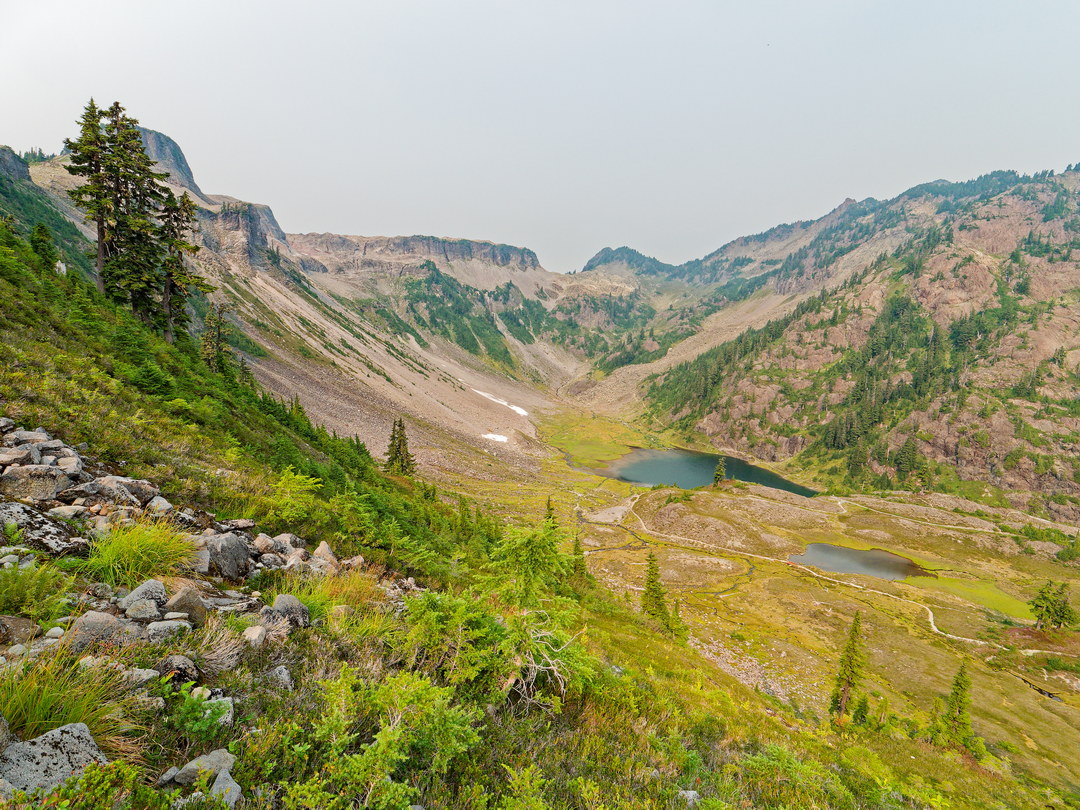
(13, 166)
(170, 158)
(484, 265)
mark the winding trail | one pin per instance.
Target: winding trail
(697, 544)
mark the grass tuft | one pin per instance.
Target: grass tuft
(53, 690)
(130, 555)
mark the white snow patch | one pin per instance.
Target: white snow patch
(493, 398)
(495, 437)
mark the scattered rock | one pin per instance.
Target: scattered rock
(17, 630)
(25, 454)
(226, 703)
(226, 789)
(292, 609)
(255, 635)
(143, 610)
(16, 650)
(290, 540)
(691, 797)
(51, 759)
(40, 532)
(280, 678)
(158, 506)
(166, 778)
(187, 600)
(152, 590)
(68, 512)
(159, 631)
(142, 491)
(141, 677)
(179, 668)
(93, 626)
(37, 482)
(230, 557)
(55, 632)
(213, 763)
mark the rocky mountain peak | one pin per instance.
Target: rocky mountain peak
(170, 158)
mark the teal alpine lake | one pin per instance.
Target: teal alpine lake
(689, 469)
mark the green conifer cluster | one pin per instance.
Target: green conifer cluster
(1052, 608)
(142, 227)
(399, 461)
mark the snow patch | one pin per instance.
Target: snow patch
(493, 398)
(495, 437)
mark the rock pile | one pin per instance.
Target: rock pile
(55, 502)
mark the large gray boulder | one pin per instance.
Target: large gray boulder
(143, 491)
(92, 627)
(17, 630)
(152, 589)
(292, 609)
(40, 532)
(159, 631)
(226, 789)
(215, 762)
(49, 760)
(23, 454)
(230, 557)
(187, 600)
(38, 482)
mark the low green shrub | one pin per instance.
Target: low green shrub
(38, 592)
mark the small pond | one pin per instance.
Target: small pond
(689, 469)
(875, 562)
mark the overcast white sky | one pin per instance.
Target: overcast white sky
(559, 125)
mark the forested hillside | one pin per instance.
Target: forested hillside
(946, 363)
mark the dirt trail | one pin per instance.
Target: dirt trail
(932, 619)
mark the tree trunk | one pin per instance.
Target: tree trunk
(166, 306)
(100, 262)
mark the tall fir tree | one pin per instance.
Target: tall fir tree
(180, 281)
(720, 473)
(653, 598)
(133, 268)
(399, 461)
(214, 340)
(88, 160)
(957, 715)
(41, 242)
(849, 671)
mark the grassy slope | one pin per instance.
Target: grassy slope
(87, 372)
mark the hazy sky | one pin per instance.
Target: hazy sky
(562, 126)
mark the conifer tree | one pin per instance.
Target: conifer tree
(720, 473)
(549, 510)
(88, 157)
(179, 280)
(41, 242)
(861, 711)
(579, 571)
(653, 602)
(399, 461)
(849, 672)
(133, 266)
(1065, 614)
(957, 715)
(213, 343)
